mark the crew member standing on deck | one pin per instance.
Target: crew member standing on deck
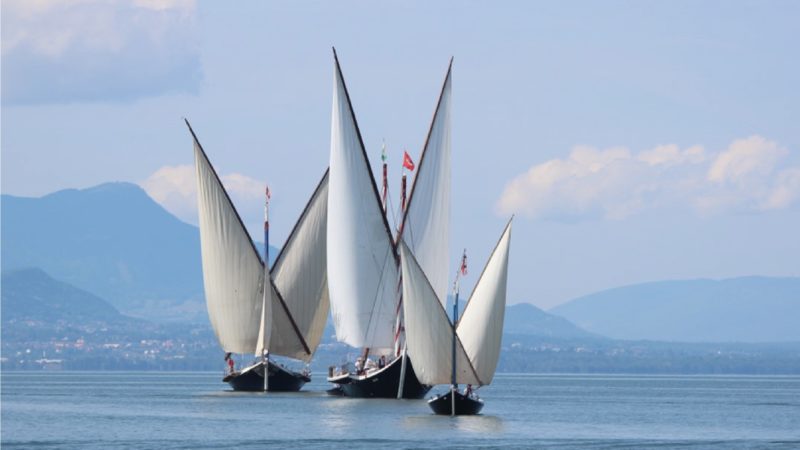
(229, 359)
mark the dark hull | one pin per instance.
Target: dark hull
(465, 406)
(280, 379)
(383, 383)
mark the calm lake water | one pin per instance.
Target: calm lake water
(196, 410)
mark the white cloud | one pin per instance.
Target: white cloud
(616, 183)
(161, 5)
(746, 160)
(58, 51)
(671, 155)
(243, 185)
(786, 190)
(175, 188)
(571, 187)
(745, 177)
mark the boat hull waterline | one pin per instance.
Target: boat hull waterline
(465, 406)
(383, 383)
(280, 379)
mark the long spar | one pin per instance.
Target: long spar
(267, 285)
(453, 384)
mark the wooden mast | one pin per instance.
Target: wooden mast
(453, 384)
(267, 285)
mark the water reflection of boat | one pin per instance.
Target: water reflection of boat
(484, 425)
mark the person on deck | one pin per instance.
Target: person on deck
(382, 362)
(468, 390)
(230, 362)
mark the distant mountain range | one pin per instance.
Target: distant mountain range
(526, 319)
(49, 324)
(31, 294)
(46, 321)
(114, 241)
(747, 309)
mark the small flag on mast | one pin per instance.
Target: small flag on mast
(383, 151)
(463, 268)
(266, 208)
(408, 163)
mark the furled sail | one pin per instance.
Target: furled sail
(429, 333)
(426, 224)
(481, 325)
(300, 276)
(362, 267)
(233, 275)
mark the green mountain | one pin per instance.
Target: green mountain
(747, 309)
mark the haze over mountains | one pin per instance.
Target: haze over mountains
(746, 309)
(32, 294)
(111, 240)
(526, 319)
(115, 242)
(48, 324)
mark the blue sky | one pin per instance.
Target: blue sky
(635, 141)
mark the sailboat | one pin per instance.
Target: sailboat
(475, 339)
(363, 267)
(254, 308)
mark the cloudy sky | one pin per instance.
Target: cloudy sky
(634, 141)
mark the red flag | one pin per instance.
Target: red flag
(407, 162)
(464, 263)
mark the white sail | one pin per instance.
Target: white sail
(362, 267)
(300, 276)
(283, 339)
(426, 226)
(265, 329)
(233, 275)
(244, 317)
(481, 326)
(429, 333)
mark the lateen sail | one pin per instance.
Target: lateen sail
(300, 275)
(233, 273)
(481, 326)
(429, 332)
(426, 225)
(362, 268)
(266, 329)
